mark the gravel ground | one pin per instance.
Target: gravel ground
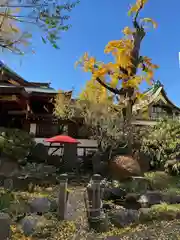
(164, 230)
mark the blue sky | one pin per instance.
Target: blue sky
(94, 23)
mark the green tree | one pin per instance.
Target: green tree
(50, 17)
(162, 142)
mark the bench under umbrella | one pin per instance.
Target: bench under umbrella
(62, 139)
(70, 150)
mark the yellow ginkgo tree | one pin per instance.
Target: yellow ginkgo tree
(123, 76)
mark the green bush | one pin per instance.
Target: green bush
(162, 142)
(15, 143)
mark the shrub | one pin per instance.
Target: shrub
(162, 142)
(15, 143)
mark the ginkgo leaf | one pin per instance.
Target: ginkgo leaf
(133, 9)
(127, 31)
(149, 20)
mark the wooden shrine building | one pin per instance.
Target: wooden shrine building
(153, 106)
(26, 105)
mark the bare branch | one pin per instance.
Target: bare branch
(113, 90)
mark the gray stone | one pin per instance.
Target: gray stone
(172, 199)
(40, 205)
(113, 193)
(32, 223)
(144, 214)
(29, 224)
(124, 217)
(152, 198)
(5, 223)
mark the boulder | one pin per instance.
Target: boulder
(124, 167)
(5, 230)
(30, 224)
(131, 201)
(151, 198)
(113, 193)
(124, 217)
(40, 205)
(144, 214)
(171, 198)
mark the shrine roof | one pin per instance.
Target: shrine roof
(152, 96)
(40, 90)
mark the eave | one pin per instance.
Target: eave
(153, 98)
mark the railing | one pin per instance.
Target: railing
(81, 150)
(157, 116)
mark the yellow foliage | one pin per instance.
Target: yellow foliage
(127, 31)
(119, 45)
(129, 69)
(135, 8)
(94, 92)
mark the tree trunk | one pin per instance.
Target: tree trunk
(128, 123)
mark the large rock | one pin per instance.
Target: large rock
(123, 167)
(144, 214)
(31, 224)
(124, 217)
(113, 193)
(151, 198)
(40, 205)
(5, 230)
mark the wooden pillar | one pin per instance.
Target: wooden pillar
(33, 127)
(63, 197)
(26, 125)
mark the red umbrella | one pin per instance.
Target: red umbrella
(61, 139)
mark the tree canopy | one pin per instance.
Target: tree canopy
(124, 76)
(129, 68)
(50, 17)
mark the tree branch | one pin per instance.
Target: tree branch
(135, 23)
(113, 90)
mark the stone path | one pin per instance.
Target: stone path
(77, 212)
(76, 207)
